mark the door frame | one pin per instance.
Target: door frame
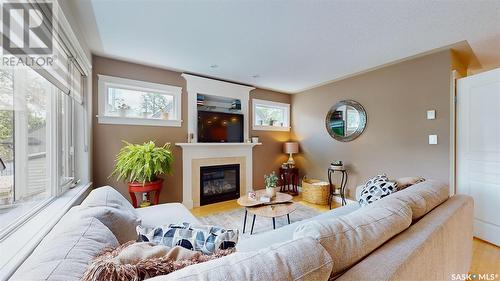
(454, 76)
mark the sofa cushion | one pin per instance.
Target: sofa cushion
(285, 233)
(122, 223)
(66, 251)
(350, 238)
(421, 197)
(437, 247)
(107, 196)
(285, 261)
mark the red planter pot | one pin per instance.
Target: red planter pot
(155, 186)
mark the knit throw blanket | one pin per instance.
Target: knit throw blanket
(138, 261)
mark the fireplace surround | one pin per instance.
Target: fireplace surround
(197, 154)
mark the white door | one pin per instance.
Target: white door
(478, 150)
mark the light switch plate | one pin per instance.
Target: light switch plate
(433, 139)
(431, 114)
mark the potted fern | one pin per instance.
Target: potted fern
(141, 164)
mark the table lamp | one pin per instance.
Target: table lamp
(290, 148)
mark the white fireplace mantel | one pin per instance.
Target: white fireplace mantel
(212, 154)
(216, 144)
(200, 85)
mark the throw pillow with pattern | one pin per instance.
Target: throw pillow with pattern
(206, 239)
(377, 178)
(375, 190)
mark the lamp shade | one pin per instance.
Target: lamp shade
(290, 147)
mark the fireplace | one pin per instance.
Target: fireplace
(219, 183)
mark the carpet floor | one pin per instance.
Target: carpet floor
(233, 219)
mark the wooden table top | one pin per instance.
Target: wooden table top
(249, 202)
(272, 211)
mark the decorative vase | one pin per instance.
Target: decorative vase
(271, 191)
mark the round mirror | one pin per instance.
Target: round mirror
(346, 120)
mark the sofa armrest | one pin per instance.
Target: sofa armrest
(165, 214)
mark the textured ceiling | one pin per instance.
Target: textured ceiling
(288, 45)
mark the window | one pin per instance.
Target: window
(272, 116)
(36, 141)
(133, 102)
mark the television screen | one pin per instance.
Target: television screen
(219, 127)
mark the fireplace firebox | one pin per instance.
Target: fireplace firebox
(219, 183)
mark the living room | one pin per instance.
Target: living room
(250, 140)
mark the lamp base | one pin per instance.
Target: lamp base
(290, 160)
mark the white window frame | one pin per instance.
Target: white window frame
(105, 82)
(280, 105)
(19, 241)
(53, 150)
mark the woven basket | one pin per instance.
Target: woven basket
(315, 191)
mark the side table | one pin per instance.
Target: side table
(146, 188)
(343, 184)
(289, 180)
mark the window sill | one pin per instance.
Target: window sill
(16, 247)
(138, 121)
(271, 128)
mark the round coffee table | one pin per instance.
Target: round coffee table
(280, 205)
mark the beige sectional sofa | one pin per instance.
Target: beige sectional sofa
(415, 234)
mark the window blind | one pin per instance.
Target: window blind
(64, 71)
(76, 89)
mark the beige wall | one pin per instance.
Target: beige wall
(270, 156)
(396, 99)
(107, 139)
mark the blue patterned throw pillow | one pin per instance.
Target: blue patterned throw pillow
(205, 239)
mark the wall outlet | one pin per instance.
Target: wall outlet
(433, 139)
(431, 114)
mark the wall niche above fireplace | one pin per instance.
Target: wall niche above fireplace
(219, 183)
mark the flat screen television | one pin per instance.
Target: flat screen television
(219, 127)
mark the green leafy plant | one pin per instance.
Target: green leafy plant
(271, 180)
(143, 162)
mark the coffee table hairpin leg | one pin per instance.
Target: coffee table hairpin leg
(253, 222)
(245, 220)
